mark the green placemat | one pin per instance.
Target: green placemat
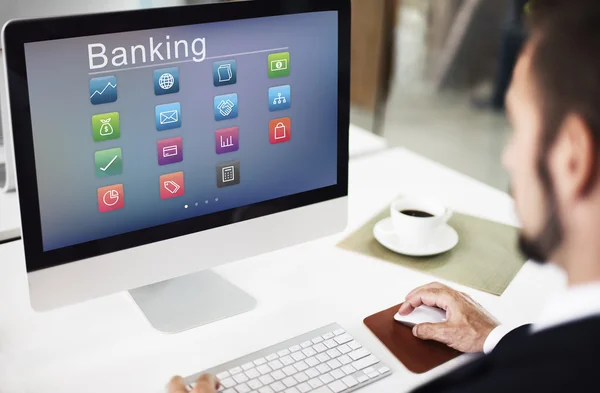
(486, 257)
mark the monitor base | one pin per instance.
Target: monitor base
(191, 301)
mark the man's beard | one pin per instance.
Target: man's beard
(540, 248)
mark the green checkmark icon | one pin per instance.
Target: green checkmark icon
(109, 162)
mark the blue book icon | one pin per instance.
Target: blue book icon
(225, 73)
(103, 90)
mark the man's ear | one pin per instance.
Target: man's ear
(573, 159)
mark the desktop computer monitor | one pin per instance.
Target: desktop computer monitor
(154, 144)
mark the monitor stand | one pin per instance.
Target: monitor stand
(191, 301)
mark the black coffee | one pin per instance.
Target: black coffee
(416, 213)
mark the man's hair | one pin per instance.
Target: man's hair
(565, 65)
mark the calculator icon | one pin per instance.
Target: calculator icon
(228, 174)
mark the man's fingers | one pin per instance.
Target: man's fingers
(431, 285)
(206, 384)
(431, 331)
(433, 297)
(176, 385)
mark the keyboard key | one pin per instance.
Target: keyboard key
(362, 378)
(298, 356)
(323, 368)
(301, 377)
(289, 382)
(289, 370)
(265, 389)
(323, 357)
(327, 378)
(343, 338)
(243, 388)
(223, 375)
(301, 365)
(283, 352)
(266, 380)
(308, 352)
(330, 344)
(247, 366)
(368, 370)
(354, 345)
(327, 336)
(333, 353)
(344, 349)
(338, 374)
(304, 387)
(350, 381)
(337, 386)
(252, 374)
(338, 332)
(313, 373)
(365, 362)
(228, 382)
(287, 360)
(306, 344)
(322, 389)
(384, 370)
(276, 365)
(235, 370)
(292, 390)
(344, 359)
(255, 384)
(359, 354)
(315, 383)
(278, 387)
(348, 369)
(277, 375)
(334, 364)
(264, 369)
(374, 374)
(312, 361)
(260, 361)
(320, 348)
(317, 340)
(295, 348)
(272, 357)
(240, 378)
(230, 390)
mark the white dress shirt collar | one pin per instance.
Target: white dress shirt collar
(574, 304)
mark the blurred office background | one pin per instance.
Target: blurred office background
(422, 72)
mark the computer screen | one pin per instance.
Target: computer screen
(139, 129)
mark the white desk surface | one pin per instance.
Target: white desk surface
(106, 345)
(362, 143)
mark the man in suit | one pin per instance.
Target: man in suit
(554, 163)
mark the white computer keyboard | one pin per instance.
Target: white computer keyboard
(327, 360)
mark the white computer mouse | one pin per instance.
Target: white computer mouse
(423, 314)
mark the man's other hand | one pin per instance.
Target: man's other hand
(204, 384)
(467, 324)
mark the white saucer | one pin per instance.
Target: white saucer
(443, 241)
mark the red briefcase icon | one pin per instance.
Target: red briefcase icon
(280, 130)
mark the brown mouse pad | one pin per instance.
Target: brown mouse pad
(418, 356)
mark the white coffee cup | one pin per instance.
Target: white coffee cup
(418, 230)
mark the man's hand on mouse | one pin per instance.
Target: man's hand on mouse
(467, 324)
(204, 384)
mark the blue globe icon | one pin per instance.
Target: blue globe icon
(166, 81)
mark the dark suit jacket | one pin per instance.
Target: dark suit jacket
(562, 359)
